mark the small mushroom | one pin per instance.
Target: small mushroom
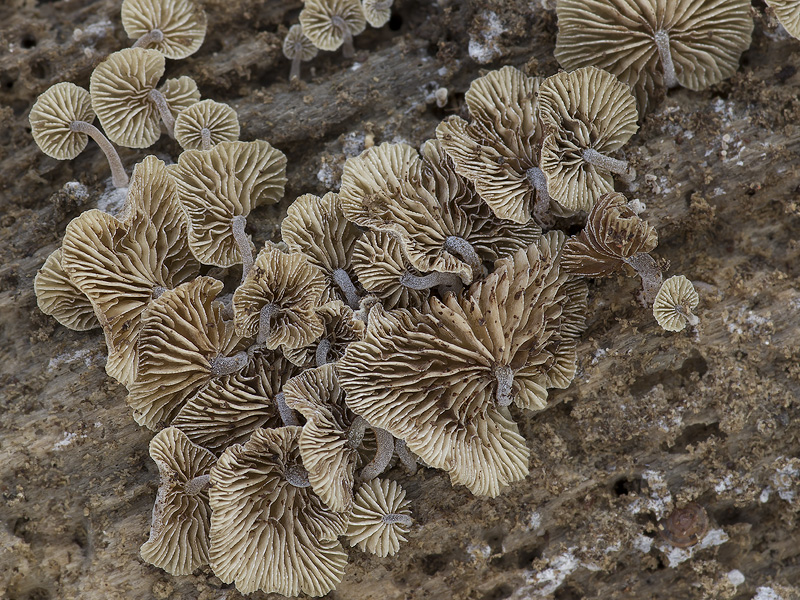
(685, 527)
(180, 94)
(674, 302)
(58, 297)
(380, 518)
(377, 12)
(61, 124)
(176, 28)
(788, 13)
(297, 48)
(179, 530)
(206, 123)
(331, 24)
(341, 327)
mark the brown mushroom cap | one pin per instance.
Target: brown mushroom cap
(297, 43)
(266, 533)
(180, 526)
(380, 518)
(220, 122)
(377, 12)
(51, 116)
(182, 25)
(58, 297)
(319, 21)
(674, 303)
(788, 13)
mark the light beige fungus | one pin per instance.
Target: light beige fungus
(340, 327)
(442, 380)
(377, 12)
(58, 297)
(586, 115)
(298, 49)
(381, 517)
(176, 28)
(331, 24)
(269, 530)
(206, 123)
(674, 304)
(180, 94)
(179, 529)
(788, 13)
(655, 44)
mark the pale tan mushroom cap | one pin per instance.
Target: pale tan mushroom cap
(788, 13)
(119, 87)
(58, 297)
(219, 119)
(674, 303)
(317, 20)
(377, 12)
(586, 109)
(218, 184)
(340, 328)
(180, 94)
(181, 21)
(179, 532)
(374, 500)
(267, 534)
(296, 41)
(51, 116)
(291, 282)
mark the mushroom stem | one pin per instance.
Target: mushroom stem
(228, 365)
(620, 167)
(382, 455)
(404, 454)
(287, 414)
(151, 37)
(323, 349)
(118, 175)
(294, 72)
(687, 314)
(163, 109)
(342, 279)
(665, 54)
(264, 325)
(362, 314)
(505, 383)
(205, 138)
(649, 272)
(355, 435)
(297, 476)
(392, 518)
(243, 242)
(415, 282)
(541, 206)
(348, 51)
(198, 484)
(464, 250)
(157, 291)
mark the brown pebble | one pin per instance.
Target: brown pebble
(685, 526)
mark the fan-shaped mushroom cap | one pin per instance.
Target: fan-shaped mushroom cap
(51, 116)
(296, 43)
(496, 151)
(788, 13)
(217, 185)
(324, 22)
(377, 12)
(289, 288)
(340, 327)
(179, 530)
(180, 94)
(381, 517)
(181, 24)
(704, 39)
(586, 110)
(674, 303)
(183, 344)
(267, 533)
(122, 265)
(205, 124)
(58, 297)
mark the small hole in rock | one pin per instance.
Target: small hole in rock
(626, 486)
(395, 22)
(433, 563)
(28, 41)
(498, 593)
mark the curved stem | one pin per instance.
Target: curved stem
(287, 414)
(355, 434)
(448, 280)
(243, 242)
(294, 72)
(348, 51)
(406, 457)
(620, 167)
(297, 476)
(163, 109)
(505, 385)
(464, 250)
(541, 206)
(323, 349)
(198, 484)
(264, 324)
(649, 272)
(228, 365)
(665, 55)
(151, 37)
(393, 518)
(342, 279)
(118, 175)
(205, 138)
(382, 455)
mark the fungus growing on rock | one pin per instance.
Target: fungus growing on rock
(377, 12)
(61, 124)
(788, 13)
(586, 114)
(331, 24)
(613, 237)
(206, 123)
(655, 44)
(340, 328)
(380, 518)
(269, 530)
(176, 28)
(58, 297)
(179, 530)
(278, 299)
(297, 48)
(674, 302)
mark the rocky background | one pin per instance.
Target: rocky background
(653, 420)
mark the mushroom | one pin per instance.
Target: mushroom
(297, 48)
(277, 301)
(340, 328)
(184, 343)
(176, 28)
(614, 236)
(377, 12)
(179, 529)
(380, 518)
(61, 119)
(58, 297)
(330, 24)
(655, 44)
(180, 94)
(674, 302)
(586, 114)
(788, 13)
(269, 530)
(218, 188)
(206, 123)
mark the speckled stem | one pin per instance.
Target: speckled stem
(297, 476)
(382, 455)
(158, 290)
(650, 273)
(393, 518)
(448, 280)
(406, 457)
(323, 349)
(151, 37)
(205, 138)
(243, 243)
(687, 314)
(348, 51)
(294, 72)
(541, 206)
(355, 435)
(342, 279)
(228, 365)
(620, 167)
(665, 55)
(505, 384)
(264, 322)
(464, 250)
(118, 175)
(198, 484)
(287, 414)
(163, 109)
